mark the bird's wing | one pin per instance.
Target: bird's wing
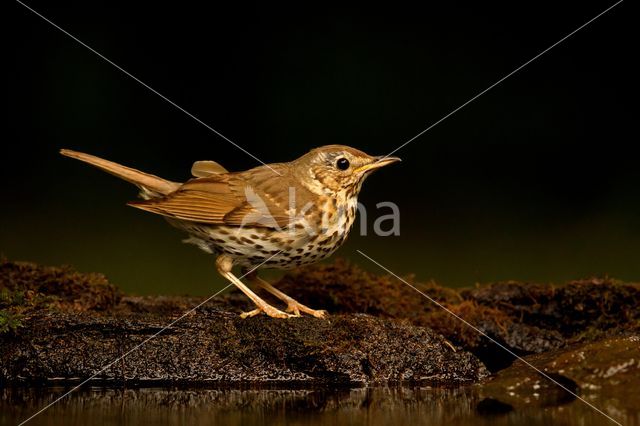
(233, 199)
(207, 168)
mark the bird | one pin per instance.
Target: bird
(274, 216)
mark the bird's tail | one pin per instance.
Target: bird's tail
(151, 186)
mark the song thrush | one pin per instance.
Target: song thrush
(279, 215)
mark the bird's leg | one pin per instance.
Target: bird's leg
(224, 264)
(293, 305)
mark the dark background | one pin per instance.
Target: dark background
(536, 180)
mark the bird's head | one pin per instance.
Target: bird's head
(337, 169)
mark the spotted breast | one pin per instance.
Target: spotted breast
(313, 234)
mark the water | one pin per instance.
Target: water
(365, 406)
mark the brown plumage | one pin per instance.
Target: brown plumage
(150, 183)
(222, 198)
(276, 216)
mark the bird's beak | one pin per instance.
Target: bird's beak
(381, 161)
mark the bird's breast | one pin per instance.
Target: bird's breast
(313, 234)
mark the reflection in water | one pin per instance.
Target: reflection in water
(372, 406)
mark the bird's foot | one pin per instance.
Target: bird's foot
(296, 307)
(269, 310)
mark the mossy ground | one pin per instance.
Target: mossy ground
(75, 323)
(526, 318)
(27, 288)
(57, 324)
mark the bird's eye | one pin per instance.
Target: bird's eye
(342, 163)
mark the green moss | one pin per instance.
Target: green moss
(9, 321)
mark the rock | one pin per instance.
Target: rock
(63, 343)
(68, 325)
(217, 346)
(605, 373)
(60, 327)
(526, 318)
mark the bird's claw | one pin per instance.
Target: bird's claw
(269, 310)
(296, 307)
